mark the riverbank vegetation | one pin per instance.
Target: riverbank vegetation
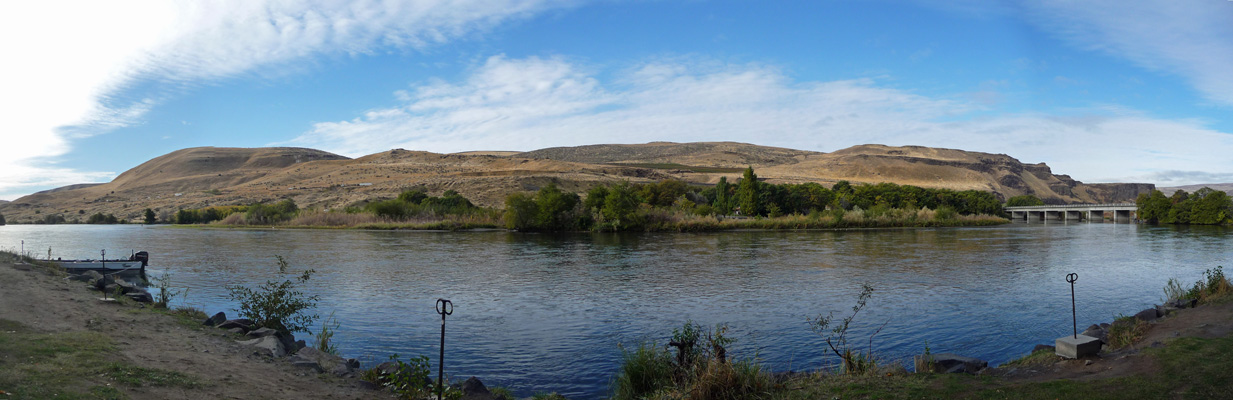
(749, 204)
(665, 206)
(1205, 206)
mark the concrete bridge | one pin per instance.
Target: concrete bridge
(1122, 212)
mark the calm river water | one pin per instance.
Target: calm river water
(541, 313)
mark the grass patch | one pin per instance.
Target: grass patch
(69, 365)
(131, 375)
(1037, 358)
(1126, 330)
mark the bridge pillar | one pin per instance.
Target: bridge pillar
(1121, 215)
(1096, 215)
(1055, 215)
(1075, 215)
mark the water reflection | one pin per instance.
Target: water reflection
(547, 312)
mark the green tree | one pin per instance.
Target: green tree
(150, 217)
(2, 219)
(1211, 207)
(556, 209)
(747, 194)
(520, 211)
(723, 203)
(1153, 207)
(620, 206)
(595, 198)
(1024, 200)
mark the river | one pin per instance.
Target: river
(542, 313)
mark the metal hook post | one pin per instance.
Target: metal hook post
(444, 307)
(1072, 277)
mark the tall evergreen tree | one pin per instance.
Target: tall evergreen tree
(150, 217)
(723, 204)
(747, 194)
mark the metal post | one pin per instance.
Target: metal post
(1074, 319)
(444, 307)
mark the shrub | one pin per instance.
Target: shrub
(1126, 330)
(698, 372)
(645, 370)
(853, 360)
(1214, 286)
(165, 294)
(280, 306)
(409, 380)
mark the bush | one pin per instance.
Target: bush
(280, 306)
(409, 380)
(1126, 330)
(1214, 286)
(854, 361)
(325, 337)
(700, 370)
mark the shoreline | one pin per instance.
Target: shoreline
(135, 336)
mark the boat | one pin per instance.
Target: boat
(137, 262)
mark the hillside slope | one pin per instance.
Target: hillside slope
(200, 177)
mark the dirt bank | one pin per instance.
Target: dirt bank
(205, 363)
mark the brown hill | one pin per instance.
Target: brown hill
(200, 177)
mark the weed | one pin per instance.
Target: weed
(1213, 287)
(1173, 290)
(408, 379)
(1126, 330)
(645, 370)
(280, 306)
(836, 335)
(326, 335)
(165, 293)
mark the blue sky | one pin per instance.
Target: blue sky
(1105, 91)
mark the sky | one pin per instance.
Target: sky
(1102, 90)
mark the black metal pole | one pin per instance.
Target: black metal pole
(1074, 318)
(444, 307)
(441, 361)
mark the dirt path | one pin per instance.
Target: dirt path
(46, 303)
(1207, 321)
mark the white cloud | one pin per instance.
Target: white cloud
(66, 61)
(524, 104)
(1189, 39)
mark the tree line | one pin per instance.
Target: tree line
(625, 206)
(1205, 206)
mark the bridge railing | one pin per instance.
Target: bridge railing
(1066, 206)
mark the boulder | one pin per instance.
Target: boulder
(1182, 303)
(140, 297)
(216, 319)
(238, 331)
(1097, 332)
(289, 342)
(322, 362)
(473, 389)
(262, 332)
(1148, 315)
(245, 324)
(954, 363)
(268, 346)
(92, 275)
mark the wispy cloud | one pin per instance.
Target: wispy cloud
(1187, 39)
(65, 64)
(523, 104)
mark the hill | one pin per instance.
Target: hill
(1226, 187)
(209, 176)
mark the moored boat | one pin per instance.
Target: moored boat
(136, 263)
